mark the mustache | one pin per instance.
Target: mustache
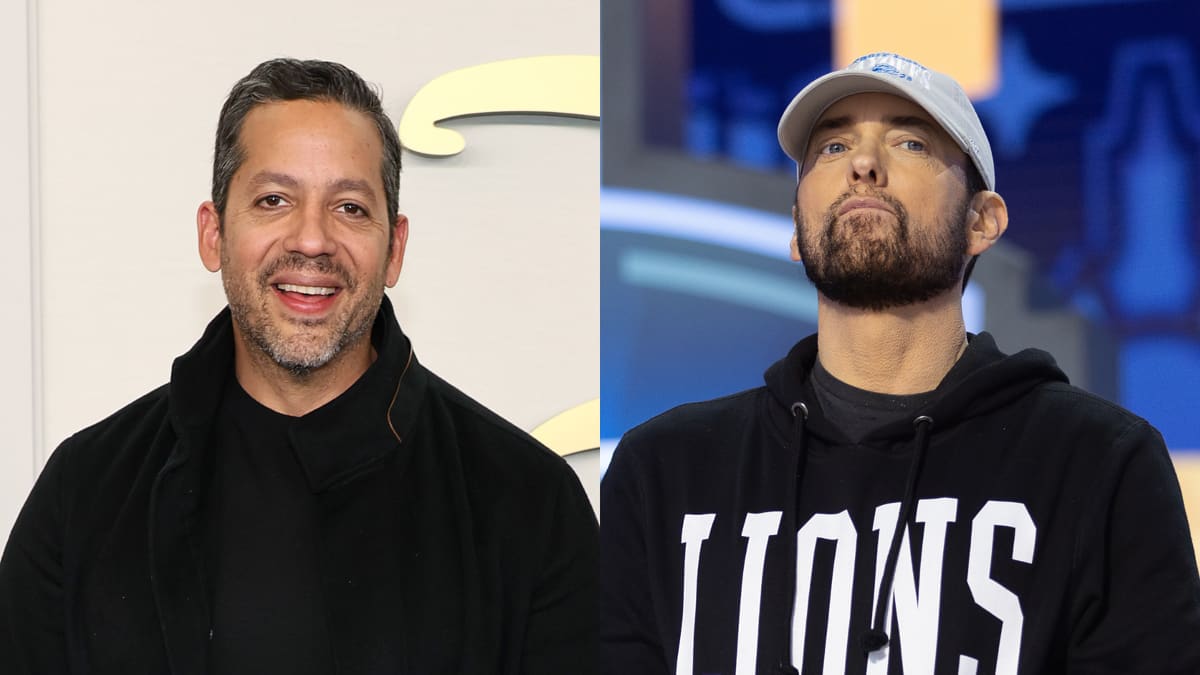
(869, 193)
(831, 217)
(297, 262)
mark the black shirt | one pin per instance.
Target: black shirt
(260, 545)
(858, 412)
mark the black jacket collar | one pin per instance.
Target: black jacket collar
(334, 442)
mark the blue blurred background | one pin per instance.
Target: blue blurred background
(1093, 111)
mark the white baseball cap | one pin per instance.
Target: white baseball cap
(938, 94)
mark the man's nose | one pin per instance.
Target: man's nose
(867, 164)
(311, 232)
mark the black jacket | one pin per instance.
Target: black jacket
(1046, 534)
(449, 540)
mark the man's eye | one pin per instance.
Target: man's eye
(351, 209)
(915, 146)
(833, 148)
(271, 200)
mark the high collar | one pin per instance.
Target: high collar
(352, 432)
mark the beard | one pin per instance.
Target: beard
(858, 263)
(311, 343)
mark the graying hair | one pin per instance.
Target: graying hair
(292, 80)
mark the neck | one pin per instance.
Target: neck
(905, 350)
(294, 394)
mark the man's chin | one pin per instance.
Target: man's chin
(865, 223)
(877, 291)
(297, 352)
(301, 353)
(302, 364)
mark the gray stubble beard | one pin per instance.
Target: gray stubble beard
(298, 360)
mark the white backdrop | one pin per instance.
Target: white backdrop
(500, 287)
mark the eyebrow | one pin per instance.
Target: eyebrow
(273, 178)
(263, 178)
(832, 124)
(353, 185)
(911, 121)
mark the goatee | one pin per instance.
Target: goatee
(306, 345)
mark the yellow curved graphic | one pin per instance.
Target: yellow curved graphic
(572, 431)
(566, 85)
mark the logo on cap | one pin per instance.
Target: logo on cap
(895, 65)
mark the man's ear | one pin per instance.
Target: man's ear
(795, 233)
(208, 234)
(987, 219)
(396, 253)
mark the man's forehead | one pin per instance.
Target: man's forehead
(280, 140)
(280, 116)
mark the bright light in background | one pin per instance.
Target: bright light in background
(957, 37)
(702, 220)
(607, 445)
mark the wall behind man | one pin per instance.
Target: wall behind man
(500, 285)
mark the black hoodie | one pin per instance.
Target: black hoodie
(1046, 534)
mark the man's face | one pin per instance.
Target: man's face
(303, 250)
(881, 205)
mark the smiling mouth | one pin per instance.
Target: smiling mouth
(306, 290)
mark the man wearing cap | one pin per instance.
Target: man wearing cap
(900, 496)
(303, 496)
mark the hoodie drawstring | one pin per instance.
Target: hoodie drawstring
(877, 636)
(799, 416)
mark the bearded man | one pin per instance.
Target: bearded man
(303, 496)
(900, 496)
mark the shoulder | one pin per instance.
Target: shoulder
(1099, 449)
(108, 456)
(487, 440)
(691, 443)
(1075, 410)
(129, 428)
(513, 482)
(694, 422)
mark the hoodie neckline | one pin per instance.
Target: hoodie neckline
(982, 379)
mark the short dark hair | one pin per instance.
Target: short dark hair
(295, 80)
(975, 185)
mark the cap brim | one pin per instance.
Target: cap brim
(795, 126)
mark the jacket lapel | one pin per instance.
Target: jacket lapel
(181, 595)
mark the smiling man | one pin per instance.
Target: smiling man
(900, 496)
(303, 496)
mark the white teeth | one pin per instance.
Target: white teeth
(307, 290)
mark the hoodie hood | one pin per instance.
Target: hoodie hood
(983, 379)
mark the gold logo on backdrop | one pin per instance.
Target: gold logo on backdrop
(537, 85)
(576, 430)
